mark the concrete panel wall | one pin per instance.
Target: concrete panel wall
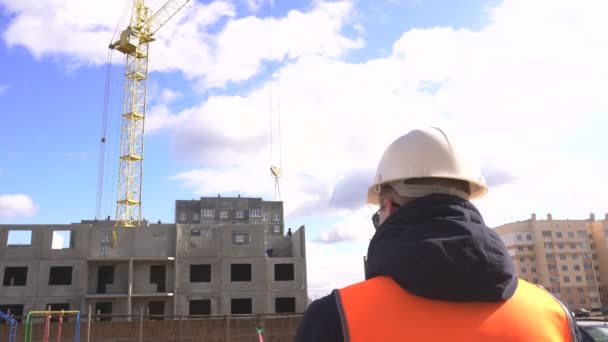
(258, 275)
(141, 276)
(159, 241)
(79, 278)
(298, 269)
(185, 286)
(79, 234)
(206, 245)
(33, 270)
(255, 248)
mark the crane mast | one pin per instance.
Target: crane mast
(134, 43)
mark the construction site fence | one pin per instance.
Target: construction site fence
(157, 328)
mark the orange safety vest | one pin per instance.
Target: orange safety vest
(380, 310)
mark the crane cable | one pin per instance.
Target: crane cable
(104, 116)
(276, 171)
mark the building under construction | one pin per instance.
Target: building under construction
(222, 256)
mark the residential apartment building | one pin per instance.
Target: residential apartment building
(215, 260)
(568, 257)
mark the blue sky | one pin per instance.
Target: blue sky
(522, 82)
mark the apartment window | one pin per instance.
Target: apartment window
(255, 213)
(15, 276)
(240, 272)
(574, 256)
(200, 273)
(518, 237)
(532, 259)
(566, 279)
(522, 259)
(582, 301)
(598, 278)
(583, 244)
(276, 229)
(555, 290)
(283, 272)
(553, 279)
(533, 269)
(195, 232)
(571, 301)
(579, 278)
(523, 270)
(206, 234)
(597, 267)
(277, 217)
(546, 233)
(106, 236)
(529, 237)
(207, 212)
(594, 257)
(264, 217)
(568, 290)
(196, 217)
(594, 300)
(240, 306)
(581, 234)
(530, 248)
(285, 305)
(577, 267)
(240, 238)
(562, 257)
(548, 244)
(15, 310)
(587, 266)
(586, 255)
(564, 267)
(200, 307)
(520, 248)
(571, 234)
(558, 235)
(552, 267)
(590, 288)
(223, 214)
(104, 250)
(580, 290)
(535, 280)
(183, 216)
(560, 245)
(600, 289)
(19, 238)
(103, 308)
(589, 277)
(240, 214)
(158, 277)
(60, 275)
(573, 245)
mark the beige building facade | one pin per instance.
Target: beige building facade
(568, 257)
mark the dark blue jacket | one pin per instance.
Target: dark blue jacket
(436, 247)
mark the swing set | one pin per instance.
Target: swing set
(47, 324)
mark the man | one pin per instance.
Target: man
(434, 271)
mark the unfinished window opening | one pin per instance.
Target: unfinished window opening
(240, 272)
(157, 310)
(285, 305)
(62, 239)
(105, 276)
(240, 306)
(200, 273)
(195, 232)
(13, 310)
(200, 307)
(283, 272)
(19, 238)
(103, 308)
(58, 307)
(60, 275)
(157, 276)
(15, 276)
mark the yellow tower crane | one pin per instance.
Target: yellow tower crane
(134, 43)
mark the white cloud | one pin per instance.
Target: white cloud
(353, 226)
(16, 205)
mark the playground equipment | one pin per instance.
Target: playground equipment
(12, 334)
(47, 324)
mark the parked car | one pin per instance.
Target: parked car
(581, 313)
(604, 311)
(594, 331)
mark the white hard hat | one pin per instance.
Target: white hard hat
(425, 153)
